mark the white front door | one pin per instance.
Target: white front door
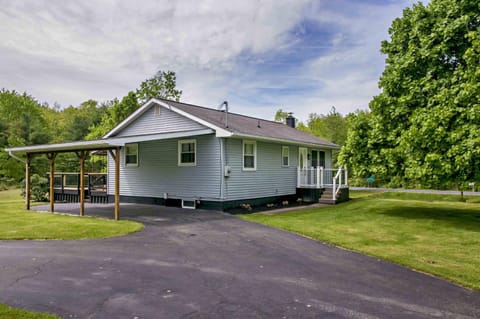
(302, 157)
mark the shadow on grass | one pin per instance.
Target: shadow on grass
(467, 219)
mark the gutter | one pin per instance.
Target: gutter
(284, 141)
(15, 157)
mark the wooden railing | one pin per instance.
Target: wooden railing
(67, 187)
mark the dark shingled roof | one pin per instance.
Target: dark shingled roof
(246, 125)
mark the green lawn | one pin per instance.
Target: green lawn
(436, 234)
(18, 223)
(7, 312)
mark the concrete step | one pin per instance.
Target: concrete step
(327, 201)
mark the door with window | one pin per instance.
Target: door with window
(302, 158)
(318, 158)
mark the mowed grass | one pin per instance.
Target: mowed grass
(18, 223)
(436, 234)
(7, 312)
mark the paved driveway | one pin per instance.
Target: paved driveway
(200, 264)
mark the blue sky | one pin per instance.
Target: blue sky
(299, 55)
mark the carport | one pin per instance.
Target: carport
(82, 149)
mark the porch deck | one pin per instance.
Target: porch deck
(323, 184)
(67, 187)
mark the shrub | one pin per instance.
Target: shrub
(38, 188)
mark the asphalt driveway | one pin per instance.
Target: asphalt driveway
(204, 264)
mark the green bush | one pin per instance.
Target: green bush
(38, 188)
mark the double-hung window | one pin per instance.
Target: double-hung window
(131, 154)
(187, 153)
(249, 155)
(285, 156)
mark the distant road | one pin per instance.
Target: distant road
(426, 191)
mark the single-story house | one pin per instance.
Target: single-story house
(170, 152)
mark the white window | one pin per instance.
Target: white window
(187, 153)
(131, 154)
(285, 156)
(249, 155)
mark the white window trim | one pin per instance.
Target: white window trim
(125, 156)
(288, 156)
(180, 142)
(254, 143)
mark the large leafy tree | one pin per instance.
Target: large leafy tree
(161, 85)
(425, 125)
(331, 126)
(21, 123)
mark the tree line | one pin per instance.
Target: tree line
(25, 121)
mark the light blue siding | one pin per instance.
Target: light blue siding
(165, 121)
(270, 178)
(158, 171)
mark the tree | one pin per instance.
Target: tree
(22, 123)
(162, 85)
(281, 116)
(425, 125)
(332, 127)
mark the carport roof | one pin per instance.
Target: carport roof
(102, 144)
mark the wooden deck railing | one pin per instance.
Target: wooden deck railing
(67, 187)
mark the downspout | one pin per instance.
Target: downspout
(222, 168)
(15, 157)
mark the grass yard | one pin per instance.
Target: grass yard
(18, 223)
(7, 312)
(436, 234)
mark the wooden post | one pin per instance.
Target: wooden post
(51, 158)
(116, 157)
(82, 155)
(27, 182)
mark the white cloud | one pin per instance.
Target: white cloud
(71, 51)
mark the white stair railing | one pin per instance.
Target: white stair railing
(337, 186)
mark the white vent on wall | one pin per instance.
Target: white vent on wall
(190, 204)
(157, 110)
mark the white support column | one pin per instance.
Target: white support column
(318, 176)
(298, 177)
(321, 176)
(346, 176)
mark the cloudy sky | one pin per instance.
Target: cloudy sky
(260, 55)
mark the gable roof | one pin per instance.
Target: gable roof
(241, 126)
